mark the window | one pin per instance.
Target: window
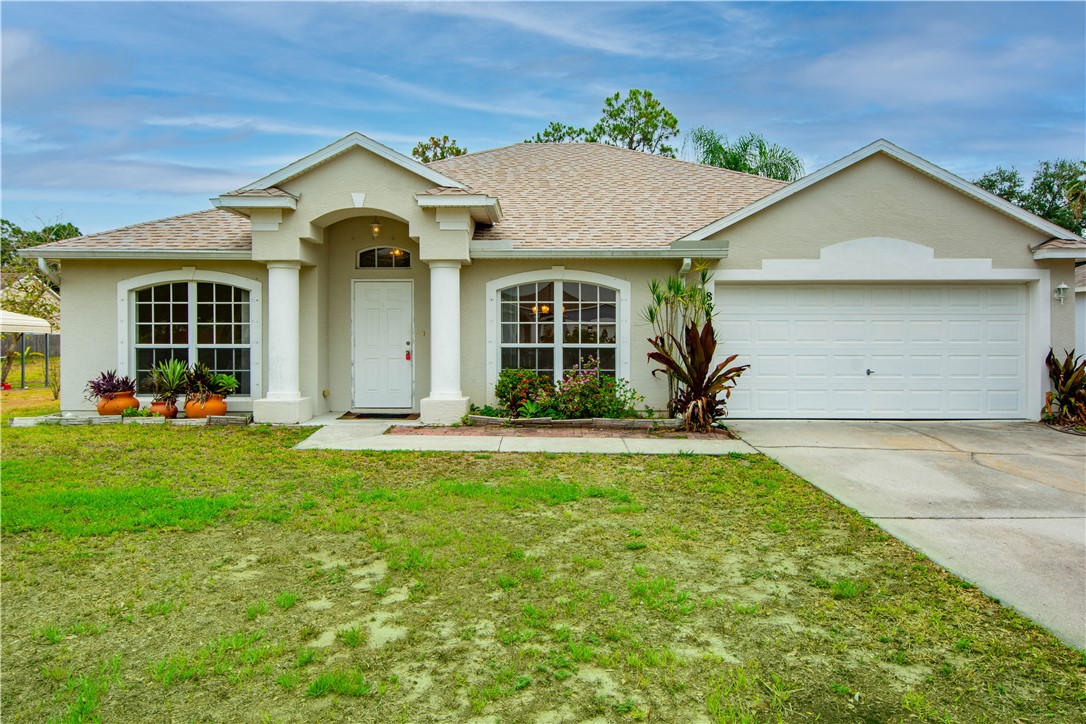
(192, 321)
(550, 326)
(384, 257)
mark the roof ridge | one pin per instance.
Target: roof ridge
(597, 144)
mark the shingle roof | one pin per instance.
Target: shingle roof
(270, 191)
(592, 196)
(1076, 243)
(211, 230)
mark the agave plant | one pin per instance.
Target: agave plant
(1066, 403)
(703, 388)
(168, 381)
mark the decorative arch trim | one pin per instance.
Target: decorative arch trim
(126, 302)
(557, 273)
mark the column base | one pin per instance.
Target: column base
(439, 411)
(283, 412)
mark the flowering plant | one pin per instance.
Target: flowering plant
(583, 392)
(517, 386)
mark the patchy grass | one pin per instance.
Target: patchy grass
(26, 403)
(236, 574)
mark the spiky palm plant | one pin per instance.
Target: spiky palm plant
(703, 389)
(1066, 403)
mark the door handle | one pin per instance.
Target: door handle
(407, 355)
(870, 372)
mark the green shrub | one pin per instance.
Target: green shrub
(517, 386)
(584, 392)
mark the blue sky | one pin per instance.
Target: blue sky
(115, 113)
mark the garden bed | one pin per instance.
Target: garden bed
(233, 418)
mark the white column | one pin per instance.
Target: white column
(284, 402)
(283, 329)
(446, 402)
(445, 326)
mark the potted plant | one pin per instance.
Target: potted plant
(168, 381)
(206, 391)
(114, 394)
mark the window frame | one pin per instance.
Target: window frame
(126, 321)
(494, 347)
(358, 258)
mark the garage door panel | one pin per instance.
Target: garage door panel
(935, 351)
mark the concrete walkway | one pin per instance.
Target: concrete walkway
(369, 435)
(1002, 505)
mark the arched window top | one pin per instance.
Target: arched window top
(384, 257)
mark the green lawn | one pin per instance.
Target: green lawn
(211, 574)
(26, 403)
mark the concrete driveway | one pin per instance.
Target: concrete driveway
(1000, 504)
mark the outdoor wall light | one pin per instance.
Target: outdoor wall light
(375, 227)
(1061, 292)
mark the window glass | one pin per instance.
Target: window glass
(539, 334)
(384, 257)
(164, 317)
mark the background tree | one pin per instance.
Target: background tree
(638, 122)
(750, 153)
(559, 133)
(1051, 192)
(436, 149)
(26, 290)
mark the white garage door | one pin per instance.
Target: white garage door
(876, 351)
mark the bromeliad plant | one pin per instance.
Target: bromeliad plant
(203, 384)
(1065, 404)
(703, 390)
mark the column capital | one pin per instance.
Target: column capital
(445, 264)
(285, 264)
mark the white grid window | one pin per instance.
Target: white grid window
(203, 321)
(550, 326)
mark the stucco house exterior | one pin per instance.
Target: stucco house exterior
(880, 286)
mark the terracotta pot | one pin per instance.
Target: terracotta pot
(215, 405)
(117, 403)
(164, 408)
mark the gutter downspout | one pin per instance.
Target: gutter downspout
(49, 273)
(685, 268)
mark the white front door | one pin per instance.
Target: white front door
(890, 351)
(383, 349)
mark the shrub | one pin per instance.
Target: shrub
(1066, 403)
(517, 386)
(584, 392)
(703, 390)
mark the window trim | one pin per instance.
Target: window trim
(557, 273)
(358, 256)
(126, 305)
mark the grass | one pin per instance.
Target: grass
(26, 403)
(236, 574)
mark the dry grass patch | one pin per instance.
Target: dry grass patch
(193, 573)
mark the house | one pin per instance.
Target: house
(1080, 309)
(881, 286)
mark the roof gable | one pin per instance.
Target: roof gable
(905, 158)
(351, 140)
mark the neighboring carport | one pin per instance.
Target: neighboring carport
(1001, 504)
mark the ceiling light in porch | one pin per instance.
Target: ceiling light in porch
(375, 227)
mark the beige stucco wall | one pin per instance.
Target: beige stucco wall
(325, 197)
(473, 302)
(343, 241)
(880, 197)
(88, 313)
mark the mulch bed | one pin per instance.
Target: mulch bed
(548, 431)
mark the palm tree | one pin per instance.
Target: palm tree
(750, 153)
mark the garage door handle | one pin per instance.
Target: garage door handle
(870, 372)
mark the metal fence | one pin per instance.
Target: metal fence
(31, 346)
